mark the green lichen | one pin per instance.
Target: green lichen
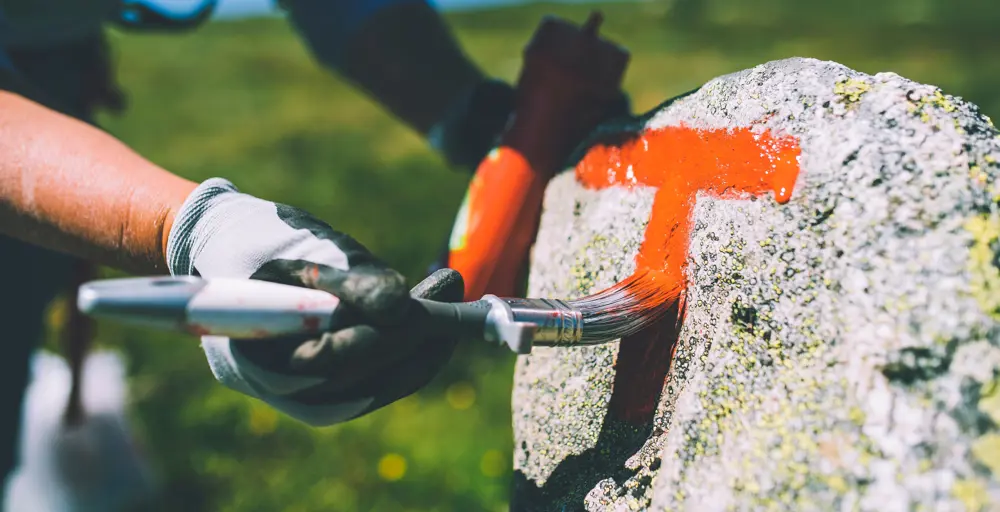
(726, 406)
(584, 277)
(985, 276)
(851, 90)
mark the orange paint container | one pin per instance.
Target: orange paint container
(570, 81)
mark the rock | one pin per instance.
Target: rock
(839, 351)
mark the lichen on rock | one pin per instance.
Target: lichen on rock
(840, 351)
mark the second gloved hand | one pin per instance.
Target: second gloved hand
(221, 232)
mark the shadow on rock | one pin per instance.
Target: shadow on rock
(574, 477)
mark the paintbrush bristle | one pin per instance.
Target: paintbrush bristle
(627, 307)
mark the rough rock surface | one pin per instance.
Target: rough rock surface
(839, 352)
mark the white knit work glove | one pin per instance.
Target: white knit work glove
(222, 233)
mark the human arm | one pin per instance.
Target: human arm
(70, 187)
(402, 53)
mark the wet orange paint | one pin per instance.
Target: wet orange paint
(497, 224)
(681, 162)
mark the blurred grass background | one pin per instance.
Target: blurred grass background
(243, 99)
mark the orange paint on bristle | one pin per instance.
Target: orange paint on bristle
(680, 162)
(627, 307)
(650, 287)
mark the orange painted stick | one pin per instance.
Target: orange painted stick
(503, 181)
(570, 81)
(509, 271)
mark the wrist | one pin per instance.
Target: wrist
(170, 211)
(193, 222)
(473, 124)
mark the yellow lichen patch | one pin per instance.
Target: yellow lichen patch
(856, 415)
(837, 483)
(937, 100)
(958, 126)
(986, 450)
(851, 90)
(583, 277)
(985, 277)
(989, 401)
(972, 494)
(941, 101)
(977, 175)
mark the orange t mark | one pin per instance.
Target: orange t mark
(681, 162)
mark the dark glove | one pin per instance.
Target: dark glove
(472, 127)
(476, 122)
(220, 232)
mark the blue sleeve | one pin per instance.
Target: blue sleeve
(327, 25)
(5, 62)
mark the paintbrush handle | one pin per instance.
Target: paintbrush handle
(464, 320)
(237, 308)
(252, 309)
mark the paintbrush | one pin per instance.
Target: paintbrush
(251, 309)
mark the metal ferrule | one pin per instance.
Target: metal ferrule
(522, 323)
(557, 323)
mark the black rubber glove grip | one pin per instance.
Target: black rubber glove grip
(463, 320)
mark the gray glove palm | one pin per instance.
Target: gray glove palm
(220, 232)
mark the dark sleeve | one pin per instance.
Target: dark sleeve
(5, 63)
(10, 79)
(327, 25)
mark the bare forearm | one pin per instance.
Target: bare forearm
(70, 187)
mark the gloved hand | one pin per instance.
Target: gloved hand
(472, 126)
(220, 232)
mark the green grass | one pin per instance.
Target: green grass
(244, 100)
